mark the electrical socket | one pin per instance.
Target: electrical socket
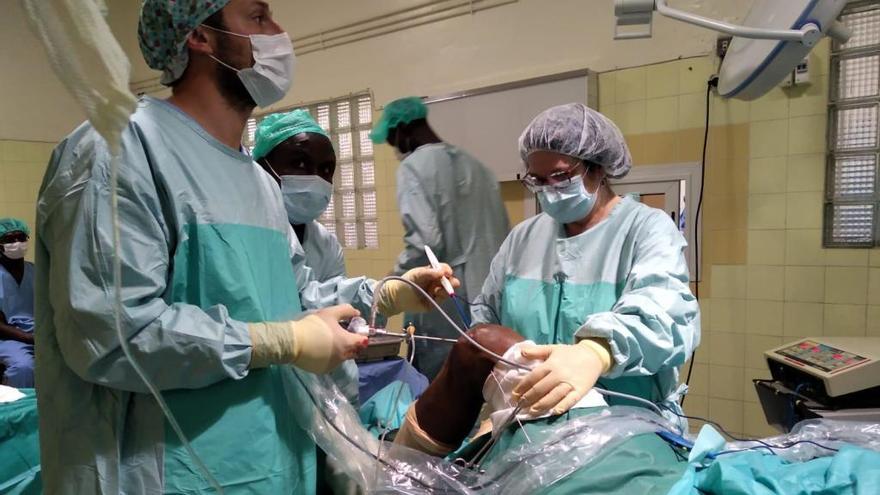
(721, 46)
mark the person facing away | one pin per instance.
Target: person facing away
(16, 305)
(448, 201)
(210, 304)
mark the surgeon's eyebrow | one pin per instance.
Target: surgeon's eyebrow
(261, 7)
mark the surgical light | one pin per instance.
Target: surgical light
(774, 38)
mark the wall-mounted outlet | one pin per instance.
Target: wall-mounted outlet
(800, 76)
(721, 46)
(802, 73)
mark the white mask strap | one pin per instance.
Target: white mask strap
(224, 64)
(272, 170)
(224, 31)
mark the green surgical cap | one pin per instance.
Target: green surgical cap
(276, 128)
(402, 111)
(163, 28)
(8, 225)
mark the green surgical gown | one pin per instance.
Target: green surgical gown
(643, 464)
(205, 248)
(625, 280)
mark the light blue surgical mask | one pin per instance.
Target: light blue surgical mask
(569, 203)
(305, 197)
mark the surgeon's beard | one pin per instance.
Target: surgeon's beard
(231, 87)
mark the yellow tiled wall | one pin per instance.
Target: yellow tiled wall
(22, 164)
(513, 195)
(663, 124)
(767, 280)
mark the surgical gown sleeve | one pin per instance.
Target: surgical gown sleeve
(420, 217)
(178, 345)
(487, 306)
(317, 294)
(336, 261)
(655, 323)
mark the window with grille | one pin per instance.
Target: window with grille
(852, 199)
(352, 213)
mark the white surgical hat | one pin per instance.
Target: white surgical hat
(580, 132)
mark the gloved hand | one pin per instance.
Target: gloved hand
(315, 343)
(396, 297)
(564, 378)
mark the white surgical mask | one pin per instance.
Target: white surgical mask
(15, 250)
(305, 197)
(272, 74)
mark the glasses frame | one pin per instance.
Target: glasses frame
(556, 180)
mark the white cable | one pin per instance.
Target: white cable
(387, 428)
(374, 311)
(117, 321)
(507, 400)
(610, 393)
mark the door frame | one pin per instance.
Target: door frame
(670, 189)
(690, 173)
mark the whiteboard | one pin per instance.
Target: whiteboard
(487, 123)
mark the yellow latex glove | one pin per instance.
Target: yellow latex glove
(564, 378)
(413, 436)
(396, 297)
(316, 343)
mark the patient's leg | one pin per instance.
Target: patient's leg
(443, 416)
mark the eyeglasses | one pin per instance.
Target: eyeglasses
(557, 180)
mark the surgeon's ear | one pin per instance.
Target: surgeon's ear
(200, 40)
(594, 176)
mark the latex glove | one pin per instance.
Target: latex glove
(396, 297)
(564, 378)
(315, 343)
(413, 436)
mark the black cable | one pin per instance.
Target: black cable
(713, 82)
(471, 304)
(761, 443)
(713, 423)
(790, 420)
(777, 447)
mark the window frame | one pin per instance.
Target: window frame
(357, 227)
(836, 202)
